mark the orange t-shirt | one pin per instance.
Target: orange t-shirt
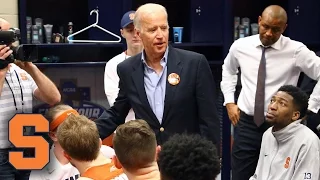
(103, 172)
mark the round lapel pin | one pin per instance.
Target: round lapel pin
(174, 79)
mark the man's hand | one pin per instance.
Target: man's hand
(5, 51)
(27, 66)
(233, 113)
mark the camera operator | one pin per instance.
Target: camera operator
(19, 83)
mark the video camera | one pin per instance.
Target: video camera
(24, 52)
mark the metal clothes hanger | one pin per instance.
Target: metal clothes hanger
(97, 26)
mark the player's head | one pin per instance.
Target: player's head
(79, 138)
(56, 115)
(135, 145)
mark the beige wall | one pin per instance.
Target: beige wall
(9, 11)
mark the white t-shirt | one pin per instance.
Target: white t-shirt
(56, 171)
(111, 81)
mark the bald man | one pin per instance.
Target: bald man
(267, 61)
(171, 89)
(19, 83)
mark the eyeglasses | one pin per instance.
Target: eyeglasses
(14, 98)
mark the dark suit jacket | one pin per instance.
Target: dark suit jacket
(189, 106)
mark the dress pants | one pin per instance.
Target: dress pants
(246, 147)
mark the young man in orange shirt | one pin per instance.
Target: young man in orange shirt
(59, 166)
(79, 138)
(136, 149)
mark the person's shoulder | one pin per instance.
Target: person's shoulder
(267, 134)
(308, 135)
(244, 43)
(292, 43)
(116, 59)
(188, 58)
(246, 40)
(121, 177)
(183, 52)
(107, 151)
(130, 61)
(38, 174)
(14, 67)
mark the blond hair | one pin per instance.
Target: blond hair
(55, 110)
(79, 138)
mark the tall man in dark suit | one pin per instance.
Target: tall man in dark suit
(172, 89)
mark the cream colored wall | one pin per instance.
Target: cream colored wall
(9, 11)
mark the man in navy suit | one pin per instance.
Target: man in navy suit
(171, 89)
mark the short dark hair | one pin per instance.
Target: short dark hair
(185, 157)
(300, 98)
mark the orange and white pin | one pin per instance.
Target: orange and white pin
(174, 79)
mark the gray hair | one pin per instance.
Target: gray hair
(145, 9)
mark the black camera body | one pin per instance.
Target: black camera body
(10, 36)
(24, 52)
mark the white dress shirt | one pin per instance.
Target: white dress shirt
(111, 81)
(284, 61)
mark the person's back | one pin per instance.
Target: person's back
(99, 172)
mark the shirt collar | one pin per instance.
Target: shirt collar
(51, 166)
(164, 58)
(287, 132)
(276, 45)
(54, 163)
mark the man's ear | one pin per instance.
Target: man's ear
(158, 149)
(116, 162)
(259, 19)
(66, 156)
(100, 143)
(53, 136)
(296, 116)
(284, 28)
(122, 34)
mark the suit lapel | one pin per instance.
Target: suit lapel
(138, 79)
(173, 66)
